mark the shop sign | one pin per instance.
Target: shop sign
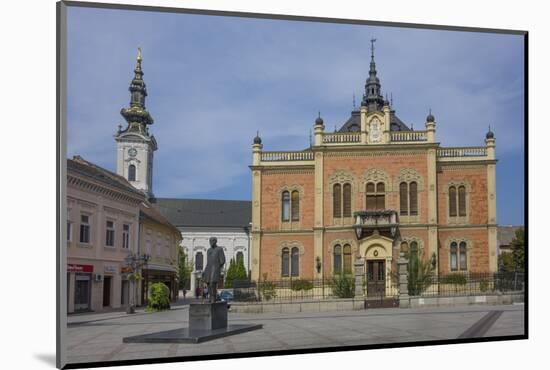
(125, 270)
(109, 269)
(79, 268)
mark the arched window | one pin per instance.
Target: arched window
(131, 172)
(286, 206)
(199, 261)
(239, 257)
(295, 262)
(347, 259)
(295, 203)
(337, 201)
(376, 197)
(404, 247)
(403, 199)
(454, 257)
(337, 259)
(461, 201)
(462, 251)
(285, 259)
(347, 200)
(452, 201)
(413, 198)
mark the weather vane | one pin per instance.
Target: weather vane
(372, 41)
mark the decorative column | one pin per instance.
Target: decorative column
(364, 133)
(387, 123)
(256, 208)
(318, 130)
(430, 127)
(318, 227)
(491, 202)
(359, 269)
(402, 263)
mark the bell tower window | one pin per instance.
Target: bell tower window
(131, 172)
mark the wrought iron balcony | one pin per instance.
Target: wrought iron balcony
(384, 221)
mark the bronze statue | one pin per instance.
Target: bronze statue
(215, 259)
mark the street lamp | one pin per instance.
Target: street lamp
(135, 262)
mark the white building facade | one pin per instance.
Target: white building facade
(200, 219)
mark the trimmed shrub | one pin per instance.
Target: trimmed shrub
(484, 285)
(267, 289)
(159, 298)
(298, 285)
(454, 279)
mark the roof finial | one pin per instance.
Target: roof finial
(391, 99)
(353, 101)
(139, 55)
(372, 41)
(310, 142)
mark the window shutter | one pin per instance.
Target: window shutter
(462, 201)
(295, 206)
(413, 197)
(337, 268)
(462, 250)
(347, 259)
(285, 262)
(337, 201)
(403, 199)
(452, 201)
(454, 264)
(347, 200)
(285, 206)
(295, 262)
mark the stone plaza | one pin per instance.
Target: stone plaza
(98, 337)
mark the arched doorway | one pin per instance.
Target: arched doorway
(377, 253)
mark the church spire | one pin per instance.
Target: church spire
(136, 115)
(372, 98)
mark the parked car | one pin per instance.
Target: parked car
(226, 296)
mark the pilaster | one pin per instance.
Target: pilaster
(256, 224)
(387, 123)
(432, 204)
(318, 216)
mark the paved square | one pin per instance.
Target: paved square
(98, 337)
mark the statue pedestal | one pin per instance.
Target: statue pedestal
(208, 316)
(207, 321)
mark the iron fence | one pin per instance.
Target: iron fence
(290, 290)
(462, 284)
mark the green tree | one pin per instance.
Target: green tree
(159, 298)
(518, 249)
(506, 262)
(230, 274)
(184, 269)
(420, 272)
(236, 271)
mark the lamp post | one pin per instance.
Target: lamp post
(135, 262)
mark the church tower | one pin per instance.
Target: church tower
(135, 146)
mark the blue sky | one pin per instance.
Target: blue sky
(213, 81)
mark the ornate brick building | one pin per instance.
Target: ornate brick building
(368, 191)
